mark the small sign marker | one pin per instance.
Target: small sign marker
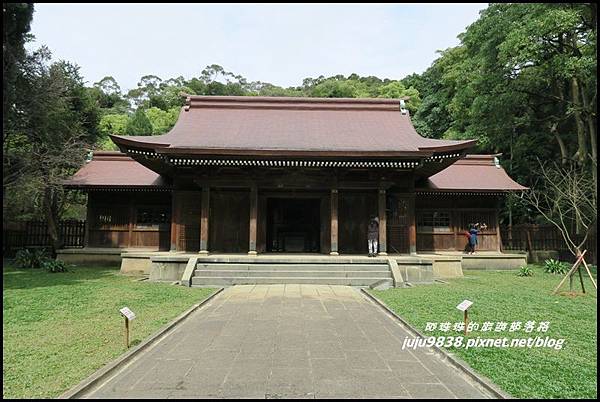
(464, 306)
(129, 316)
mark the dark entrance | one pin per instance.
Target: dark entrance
(293, 225)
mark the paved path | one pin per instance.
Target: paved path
(276, 341)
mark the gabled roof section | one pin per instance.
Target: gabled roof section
(284, 126)
(472, 173)
(115, 169)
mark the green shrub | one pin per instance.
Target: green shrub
(53, 266)
(26, 258)
(555, 267)
(525, 270)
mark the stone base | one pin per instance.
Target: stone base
(90, 256)
(493, 261)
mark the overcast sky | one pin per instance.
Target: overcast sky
(280, 44)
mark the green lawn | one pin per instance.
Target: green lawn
(59, 328)
(503, 296)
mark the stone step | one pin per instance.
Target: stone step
(292, 274)
(292, 267)
(228, 281)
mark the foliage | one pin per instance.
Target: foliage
(553, 266)
(523, 82)
(53, 266)
(525, 270)
(162, 120)
(139, 124)
(503, 297)
(113, 124)
(30, 258)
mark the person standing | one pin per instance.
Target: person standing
(373, 236)
(473, 232)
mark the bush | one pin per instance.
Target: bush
(26, 258)
(53, 266)
(555, 267)
(525, 271)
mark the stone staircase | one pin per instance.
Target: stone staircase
(360, 272)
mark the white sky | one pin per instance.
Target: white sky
(280, 44)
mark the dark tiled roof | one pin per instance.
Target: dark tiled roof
(115, 169)
(475, 173)
(283, 126)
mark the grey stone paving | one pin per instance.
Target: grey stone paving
(288, 341)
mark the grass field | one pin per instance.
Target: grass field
(503, 296)
(59, 328)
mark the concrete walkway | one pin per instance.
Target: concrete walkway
(278, 341)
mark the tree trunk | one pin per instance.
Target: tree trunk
(564, 155)
(52, 219)
(591, 125)
(582, 151)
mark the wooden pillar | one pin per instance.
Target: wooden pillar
(131, 219)
(89, 216)
(498, 234)
(253, 220)
(412, 227)
(204, 220)
(382, 224)
(174, 211)
(334, 222)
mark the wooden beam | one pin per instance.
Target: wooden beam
(204, 220)
(253, 220)
(382, 223)
(334, 222)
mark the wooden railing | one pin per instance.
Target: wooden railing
(543, 237)
(34, 234)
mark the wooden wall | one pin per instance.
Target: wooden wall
(461, 211)
(229, 219)
(187, 220)
(116, 219)
(354, 212)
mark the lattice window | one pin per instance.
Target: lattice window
(433, 221)
(110, 217)
(152, 217)
(482, 217)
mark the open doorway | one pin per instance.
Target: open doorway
(293, 225)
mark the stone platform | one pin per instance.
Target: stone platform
(358, 270)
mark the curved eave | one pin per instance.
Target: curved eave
(468, 191)
(85, 187)
(136, 142)
(287, 152)
(462, 145)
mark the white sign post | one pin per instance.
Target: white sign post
(464, 307)
(129, 316)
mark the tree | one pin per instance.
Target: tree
(160, 120)
(138, 124)
(57, 123)
(566, 196)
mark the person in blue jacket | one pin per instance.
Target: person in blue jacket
(473, 232)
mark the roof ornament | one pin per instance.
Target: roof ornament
(188, 100)
(497, 162)
(403, 107)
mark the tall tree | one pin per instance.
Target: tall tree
(139, 124)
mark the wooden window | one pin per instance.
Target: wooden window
(114, 217)
(153, 217)
(433, 221)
